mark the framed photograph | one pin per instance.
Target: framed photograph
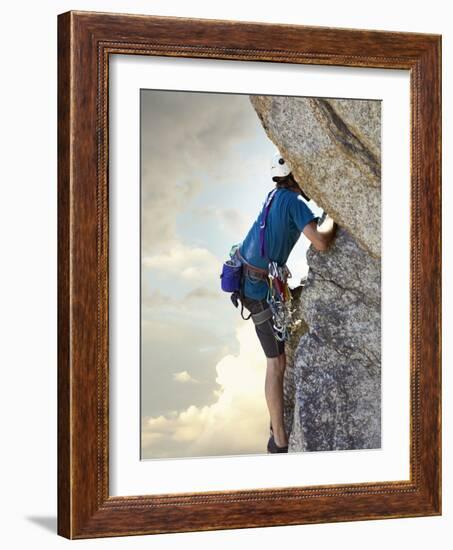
(249, 275)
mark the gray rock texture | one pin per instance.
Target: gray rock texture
(337, 363)
(332, 384)
(333, 147)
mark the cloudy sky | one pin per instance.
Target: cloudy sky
(205, 175)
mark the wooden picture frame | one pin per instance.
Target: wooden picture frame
(85, 42)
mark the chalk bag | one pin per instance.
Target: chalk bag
(231, 275)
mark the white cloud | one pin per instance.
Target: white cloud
(190, 263)
(232, 219)
(184, 377)
(187, 138)
(199, 295)
(171, 342)
(236, 423)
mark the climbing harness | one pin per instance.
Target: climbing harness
(278, 296)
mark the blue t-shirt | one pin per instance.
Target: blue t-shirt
(287, 217)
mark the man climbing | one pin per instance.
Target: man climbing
(274, 233)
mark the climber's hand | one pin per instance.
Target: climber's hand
(322, 236)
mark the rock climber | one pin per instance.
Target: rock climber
(282, 222)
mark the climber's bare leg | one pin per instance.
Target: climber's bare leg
(273, 389)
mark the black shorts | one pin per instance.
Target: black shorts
(271, 346)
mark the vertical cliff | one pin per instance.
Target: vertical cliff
(333, 377)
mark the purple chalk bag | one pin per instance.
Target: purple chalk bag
(231, 275)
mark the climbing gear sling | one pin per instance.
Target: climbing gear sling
(279, 295)
(279, 299)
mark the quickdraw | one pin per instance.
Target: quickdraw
(279, 298)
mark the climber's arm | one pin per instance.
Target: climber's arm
(322, 236)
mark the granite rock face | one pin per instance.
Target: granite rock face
(337, 363)
(332, 385)
(333, 147)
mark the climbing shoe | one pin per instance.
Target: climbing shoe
(272, 447)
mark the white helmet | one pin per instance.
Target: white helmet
(279, 167)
